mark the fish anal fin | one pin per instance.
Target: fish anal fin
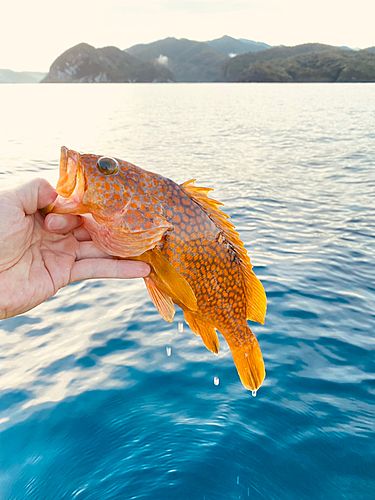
(163, 303)
(205, 329)
(170, 280)
(248, 359)
(255, 295)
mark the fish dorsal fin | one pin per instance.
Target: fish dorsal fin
(256, 297)
(162, 301)
(255, 294)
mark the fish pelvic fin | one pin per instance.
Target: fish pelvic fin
(256, 300)
(248, 359)
(203, 328)
(169, 280)
(162, 301)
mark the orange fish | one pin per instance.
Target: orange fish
(197, 258)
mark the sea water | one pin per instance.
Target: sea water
(94, 405)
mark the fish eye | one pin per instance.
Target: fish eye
(107, 165)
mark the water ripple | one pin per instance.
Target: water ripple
(95, 385)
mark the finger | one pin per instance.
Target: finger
(35, 194)
(88, 250)
(62, 223)
(108, 268)
(81, 234)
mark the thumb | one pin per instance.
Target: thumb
(36, 194)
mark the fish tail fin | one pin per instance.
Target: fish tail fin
(248, 358)
(205, 329)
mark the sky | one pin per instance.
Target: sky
(34, 32)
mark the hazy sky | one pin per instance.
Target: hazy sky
(34, 32)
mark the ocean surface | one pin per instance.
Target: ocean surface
(101, 399)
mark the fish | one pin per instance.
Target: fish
(197, 259)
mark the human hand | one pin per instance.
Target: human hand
(38, 255)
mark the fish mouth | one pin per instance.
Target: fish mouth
(71, 185)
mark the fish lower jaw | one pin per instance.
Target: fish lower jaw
(71, 205)
(72, 201)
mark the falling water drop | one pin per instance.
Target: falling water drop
(180, 326)
(216, 381)
(168, 350)
(254, 393)
(238, 479)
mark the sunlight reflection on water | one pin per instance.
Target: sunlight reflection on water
(95, 383)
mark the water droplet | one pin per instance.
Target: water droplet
(180, 326)
(238, 479)
(216, 381)
(254, 393)
(168, 350)
(248, 492)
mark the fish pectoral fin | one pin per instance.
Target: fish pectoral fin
(248, 359)
(171, 281)
(121, 241)
(205, 329)
(163, 303)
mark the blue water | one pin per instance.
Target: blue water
(91, 404)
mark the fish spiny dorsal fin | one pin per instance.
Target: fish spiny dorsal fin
(255, 294)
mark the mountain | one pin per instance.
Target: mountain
(84, 63)
(303, 63)
(9, 76)
(189, 61)
(230, 46)
(184, 60)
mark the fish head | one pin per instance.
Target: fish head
(92, 184)
(121, 216)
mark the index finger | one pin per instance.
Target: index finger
(62, 223)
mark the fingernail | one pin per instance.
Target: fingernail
(143, 268)
(56, 222)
